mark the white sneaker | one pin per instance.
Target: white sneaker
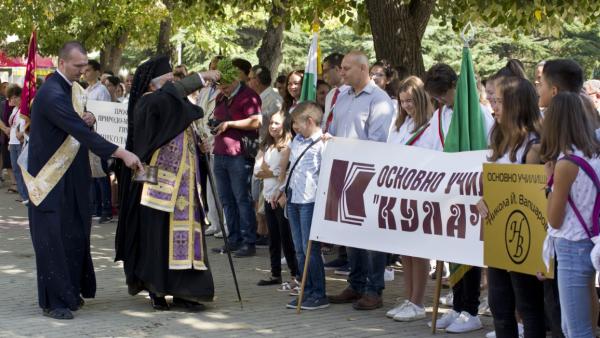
(410, 312)
(464, 323)
(213, 229)
(447, 319)
(283, 261)
(447, 300)
(492, 334)
(392, 312)
(219, 234)
(484, 307)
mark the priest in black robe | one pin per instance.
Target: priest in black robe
(160, 231)
(58, 179)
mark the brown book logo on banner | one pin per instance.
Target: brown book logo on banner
(347, 184)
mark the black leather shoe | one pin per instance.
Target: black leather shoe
(159, 303)
(245, 251)
(80, 304)
(188, 305)
(60, 313)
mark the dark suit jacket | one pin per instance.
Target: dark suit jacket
(52, 120)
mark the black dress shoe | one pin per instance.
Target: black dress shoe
(59, 313)
(188, 305)
(159, 303)
(245, 251)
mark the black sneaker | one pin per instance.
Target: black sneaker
(262, 242)
(336, 263)
(223, 249)
(245, 251)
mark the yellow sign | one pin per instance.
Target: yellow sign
(515, 228)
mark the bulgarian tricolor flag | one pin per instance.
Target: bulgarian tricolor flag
(313, 67)
(28, 92)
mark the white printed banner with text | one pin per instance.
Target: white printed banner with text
(400, 199)
(111, 120)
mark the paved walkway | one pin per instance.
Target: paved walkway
(116, 314)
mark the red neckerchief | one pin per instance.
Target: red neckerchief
(440, 129)
(330, 117)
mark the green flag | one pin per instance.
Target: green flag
(467, 129)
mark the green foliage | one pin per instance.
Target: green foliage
(492, 47)
(229, 72)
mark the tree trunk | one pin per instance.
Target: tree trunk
(111, 55)
(163, 45)
(269, 54)
(398, 30)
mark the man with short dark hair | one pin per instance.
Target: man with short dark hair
(260, 81)
(332, 67)
(95, 89)
(58, 215)
(244, 66)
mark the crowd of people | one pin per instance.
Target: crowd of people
(265, 149)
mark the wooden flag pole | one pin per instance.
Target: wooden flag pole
(304, 273)
(439, 268)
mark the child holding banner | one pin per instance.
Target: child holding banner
(568, 144)
(301, 189)
(514, 139)
(411, 122)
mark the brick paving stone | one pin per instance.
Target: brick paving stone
(113, 313)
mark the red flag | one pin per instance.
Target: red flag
(29, 84)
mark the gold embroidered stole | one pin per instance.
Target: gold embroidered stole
(40, 186)
(177, 193)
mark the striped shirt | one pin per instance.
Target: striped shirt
(305, 177)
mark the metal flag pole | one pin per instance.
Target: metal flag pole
(213, 189)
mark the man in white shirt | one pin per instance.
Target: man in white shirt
(101, 196)
(259, 80)
(95, 89)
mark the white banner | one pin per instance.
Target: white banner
(400, 199)
(111, 120)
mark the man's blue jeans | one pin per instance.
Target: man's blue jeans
(300, 217)
(232, 173)
(575, 282)
(366, 271)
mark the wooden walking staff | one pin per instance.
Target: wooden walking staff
(304, 273)
(439, 268)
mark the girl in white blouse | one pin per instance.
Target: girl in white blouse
(411, 122)
(270, 166)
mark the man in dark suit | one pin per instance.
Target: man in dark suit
(60, 223)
